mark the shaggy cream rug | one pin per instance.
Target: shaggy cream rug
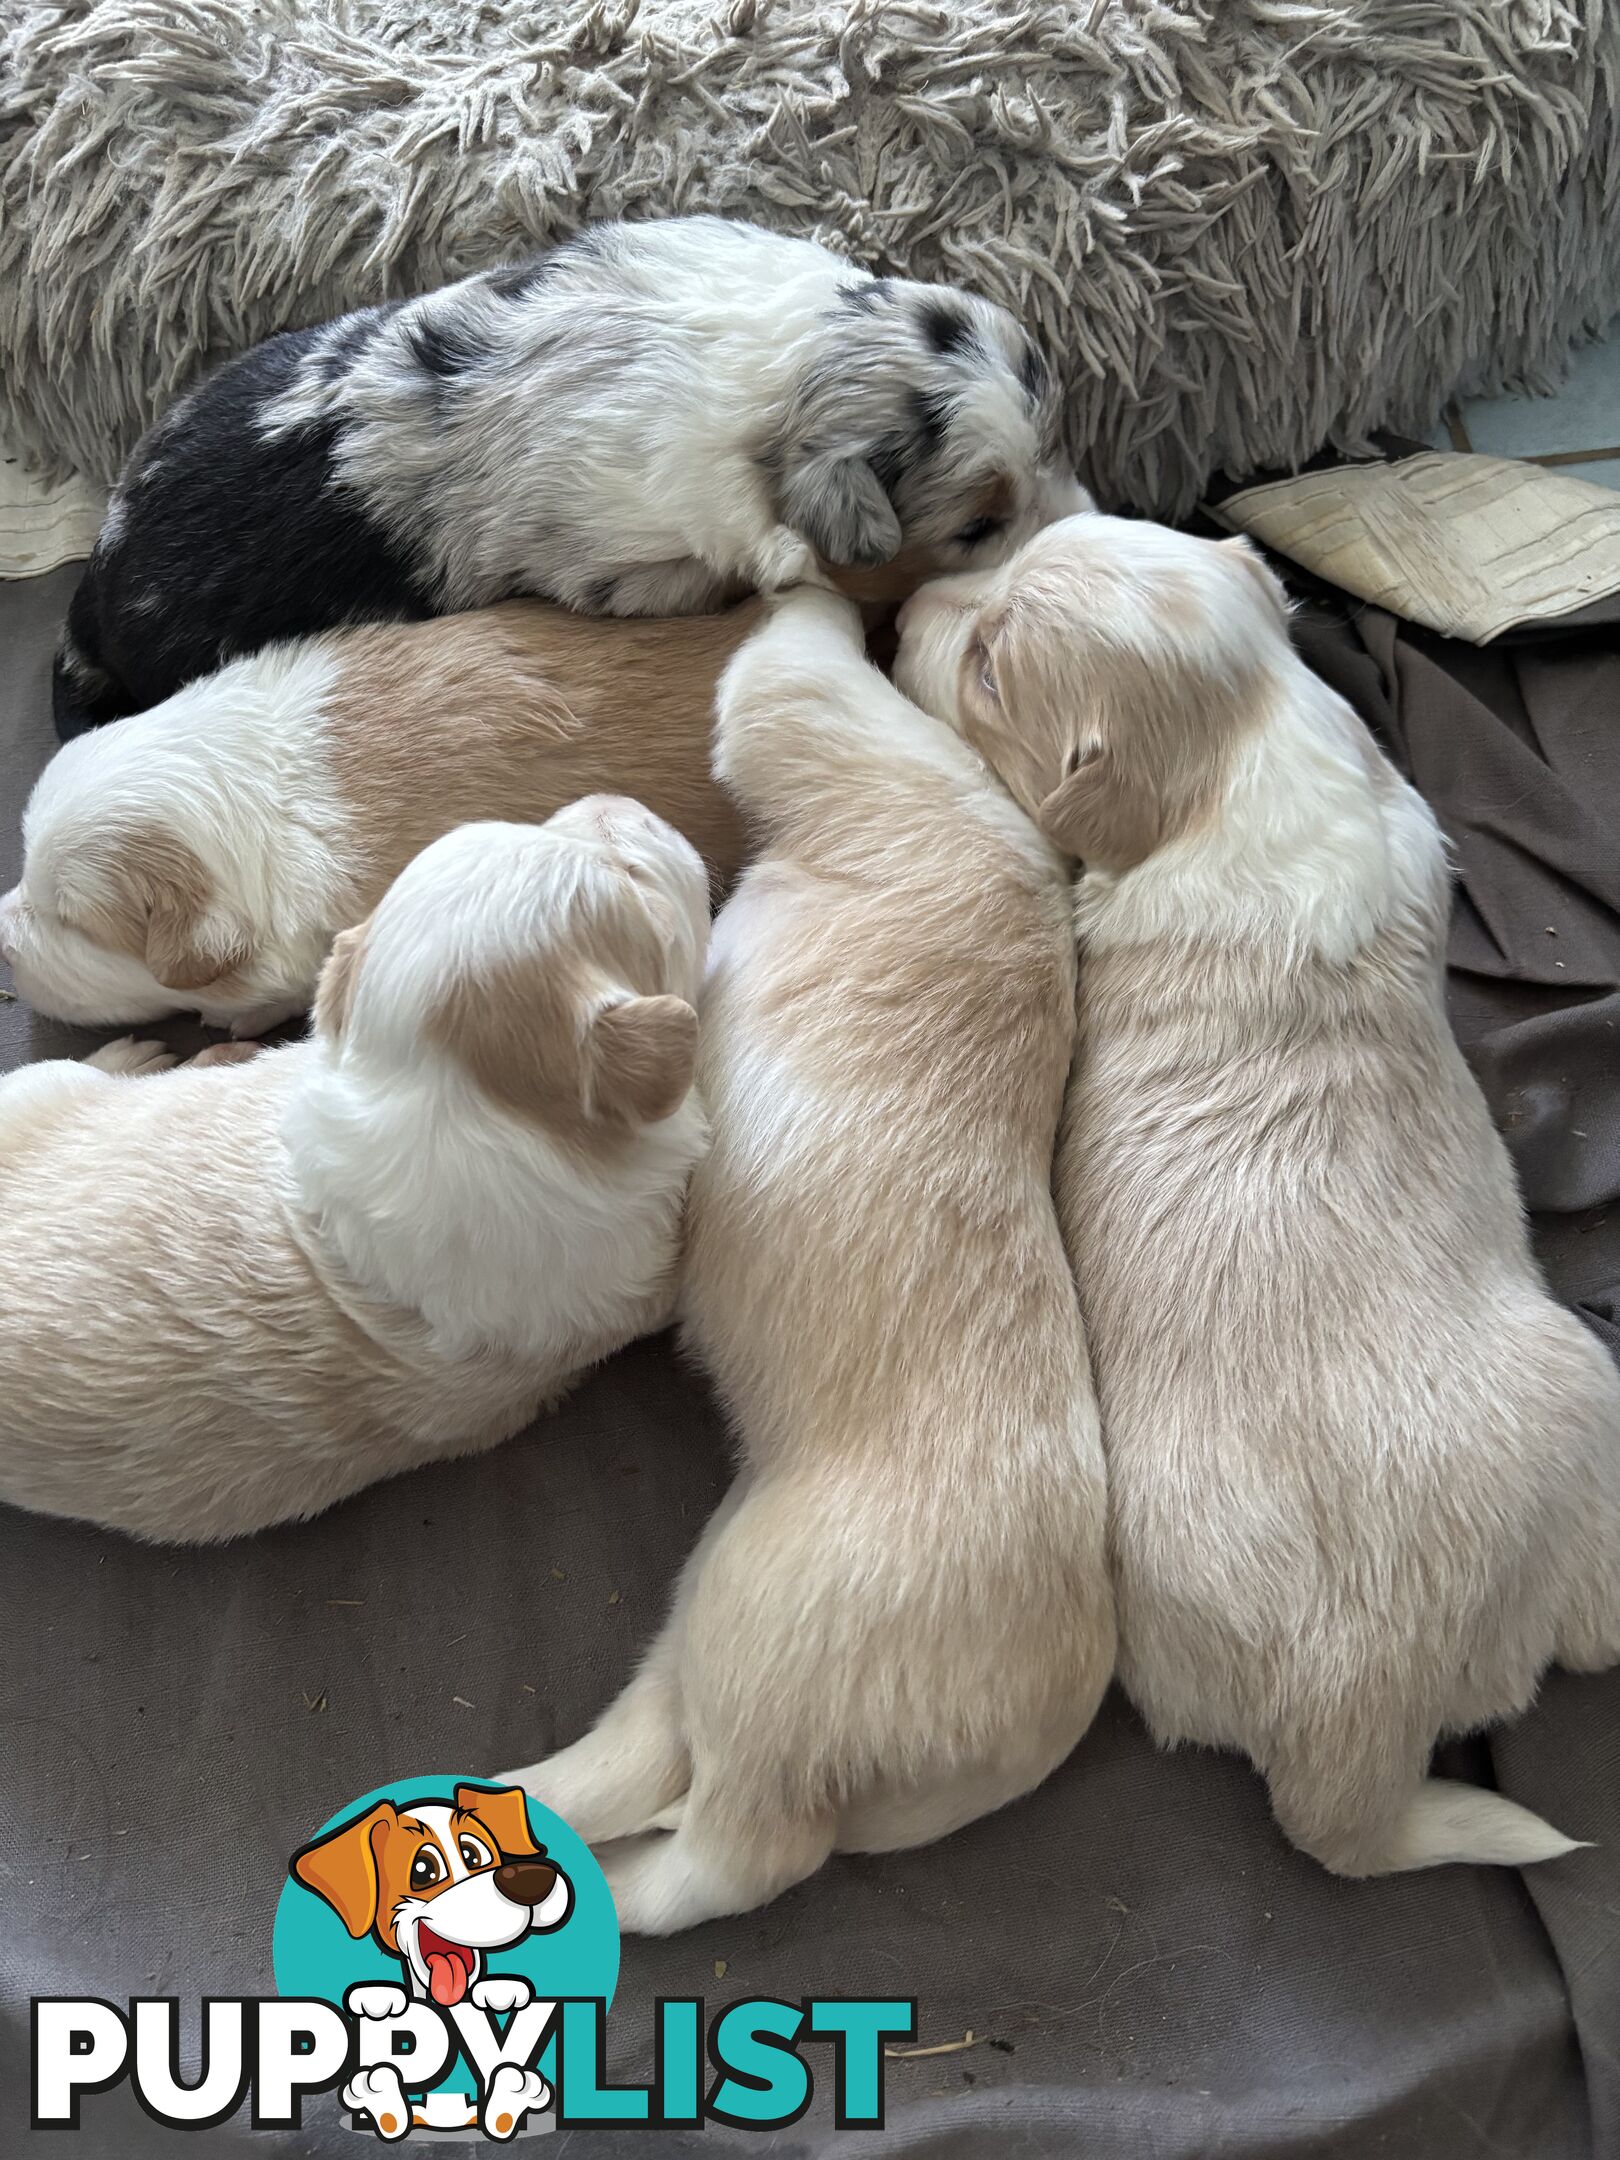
(1247, 227)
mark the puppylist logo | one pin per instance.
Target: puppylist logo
(446, 1952)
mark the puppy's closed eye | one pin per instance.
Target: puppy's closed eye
(981, 529)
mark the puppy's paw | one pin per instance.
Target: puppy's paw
(126, 1055)
(380, 2094)
(262, 1019)
(822, 615)
(501, 1992)
(231, 1053)
(376, 1999)
(782, 559)
(512, 2094)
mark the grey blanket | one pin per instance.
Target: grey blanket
(1146, 1967)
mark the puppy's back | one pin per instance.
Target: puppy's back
(514, 711)
(1309, 1297)
(171, 1358)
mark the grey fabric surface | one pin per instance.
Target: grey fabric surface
(1152, 1970)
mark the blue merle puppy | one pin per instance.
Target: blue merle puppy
(648, 421)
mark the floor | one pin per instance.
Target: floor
(1577, 430)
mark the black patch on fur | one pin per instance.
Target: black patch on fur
(1033, 374)
(246, 540)
(931, 413)
(446, 348)
(890, 458)
(352, 337)
(515, 281)
(597, 598)
(945, 327)
(903, 449)
(82, 696)
(867, 297)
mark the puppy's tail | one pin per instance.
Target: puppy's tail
(1447, 1821)
(1360, 1804)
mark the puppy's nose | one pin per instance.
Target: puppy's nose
(525, 1882)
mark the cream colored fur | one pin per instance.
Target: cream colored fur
(232, 1296)
(900, 1617)
(1364, 1471)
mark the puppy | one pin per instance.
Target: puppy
(232, 1297)
(649, 419)
(1364, 1472)
(205, 854)
(900, 1617)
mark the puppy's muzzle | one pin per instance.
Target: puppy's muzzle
(526, 1882)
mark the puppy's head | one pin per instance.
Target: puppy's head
(1108, 674)
(554, 968)
(120, 914)
(921, 436)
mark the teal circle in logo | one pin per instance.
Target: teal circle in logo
(419, 1843)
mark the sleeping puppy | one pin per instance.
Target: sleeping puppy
(203, 855)
(232, 1297)
(900, 1617)
(1364, 1472)
(651, 419)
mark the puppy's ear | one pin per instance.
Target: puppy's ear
(514, 1026)
(504, 1815)
(643, 1051)
(342, 1867)
(188, 947)
(143, 890)
(334, 993)
(839, 505)
(1100, 813)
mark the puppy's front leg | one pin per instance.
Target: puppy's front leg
(796, 703)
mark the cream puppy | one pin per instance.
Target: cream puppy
(230, 1297)
(204, 854)
(900, 1617)
(1364, 1472)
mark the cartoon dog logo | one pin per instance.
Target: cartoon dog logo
(439, 1885)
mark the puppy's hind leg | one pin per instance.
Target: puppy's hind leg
(630, 1770)
(733, 1850)
(131, 1057)
(1352, 1791)
(1589, 1629)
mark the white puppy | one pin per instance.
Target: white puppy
(1364, 1472)
(204, 854)
(230, 1297)
(900, 1617)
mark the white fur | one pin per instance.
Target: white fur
(899, 1618)
(1364, 1472)
(235, 766)
(230, 1297)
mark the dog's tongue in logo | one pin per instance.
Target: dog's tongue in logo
(449, 1967)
